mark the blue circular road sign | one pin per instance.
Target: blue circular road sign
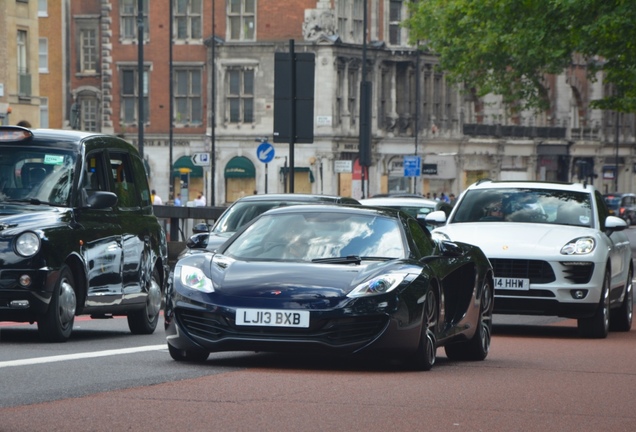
(265, 152)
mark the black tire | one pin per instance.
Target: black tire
(477, 347)
(621, 318)
(426, 353)
(56, 324)
(193, 356)
(597, 326)
(144, 321)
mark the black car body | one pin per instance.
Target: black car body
(247, 208)
(332, 279)
(77, 232)
(622, 205)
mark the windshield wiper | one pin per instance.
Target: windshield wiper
(349, 259)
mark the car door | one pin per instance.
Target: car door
(101, 240)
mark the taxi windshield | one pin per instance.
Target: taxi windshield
(36, 175)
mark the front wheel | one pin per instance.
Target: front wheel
(621, 318)
(478, 346)
(597, 327)
(144, 321)
(426, 353)
(56, 324)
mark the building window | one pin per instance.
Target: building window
(129, 92)
(350, 17)
(128, 16)
(241, 17)
(88, 119)
(24, 77)
(187, 17)
(44, 112)
(395, 18)
(352, 94)
(188, 100)
(43, 8)
(240, 95)
(43, 55)
(88, 50)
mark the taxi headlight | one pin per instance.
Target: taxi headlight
(193, 278)
(579, 246)
(27, 244)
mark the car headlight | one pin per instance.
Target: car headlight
(27, 244)
(579, 246)
(378, 285)
(194, 278)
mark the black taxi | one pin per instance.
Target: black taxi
(77, 232)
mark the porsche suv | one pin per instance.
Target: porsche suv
(77, 232)
(554, 247)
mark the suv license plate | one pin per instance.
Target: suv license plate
(520, 284)
(272, 318)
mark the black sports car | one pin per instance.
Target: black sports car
(332, 279)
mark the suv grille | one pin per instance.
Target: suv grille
(539, 272)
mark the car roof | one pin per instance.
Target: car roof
(296, 197)
(404, 201)
(504, 184)
(326, 208)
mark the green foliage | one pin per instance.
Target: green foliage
(507, 47)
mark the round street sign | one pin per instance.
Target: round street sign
(265, 152)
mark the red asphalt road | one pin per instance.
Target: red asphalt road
(535, 379)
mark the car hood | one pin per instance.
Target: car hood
(512, 240)
(290, 280)
(20, 216)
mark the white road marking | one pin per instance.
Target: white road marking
(78, 356)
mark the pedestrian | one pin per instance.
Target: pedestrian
(177, 201)
(156, 199)
(200, 200)
(24, 123)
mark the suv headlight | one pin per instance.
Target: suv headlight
(579, 246)
(27, 244)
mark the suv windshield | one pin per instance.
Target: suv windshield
(36, 174)
(525, 205)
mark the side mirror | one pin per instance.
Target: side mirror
(198, 241)
(436, 218)
(99, 200)
(201, 228)
(614, 223)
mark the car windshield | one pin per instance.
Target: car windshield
(36, 175)
(241, 213)
(525, 205)
(316, 236)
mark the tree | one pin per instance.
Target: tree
(507, 47)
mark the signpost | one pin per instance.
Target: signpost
(265, 153)
(201, 159)
(412, 166)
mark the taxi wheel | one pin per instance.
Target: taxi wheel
(477, 347)
(194, 356)
(144, 321)
(597, 326)
(621, 318)
(56, 324)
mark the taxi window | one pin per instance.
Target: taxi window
(125, 188)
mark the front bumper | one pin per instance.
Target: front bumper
(19, 303)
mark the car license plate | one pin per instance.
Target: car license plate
(512, 283)
(272, 317)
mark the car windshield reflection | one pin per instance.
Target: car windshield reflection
(525, 205)
(307, 237)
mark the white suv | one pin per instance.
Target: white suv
(554, 248)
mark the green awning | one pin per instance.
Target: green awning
(183, 164)
(285, 170)
(240, 167)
